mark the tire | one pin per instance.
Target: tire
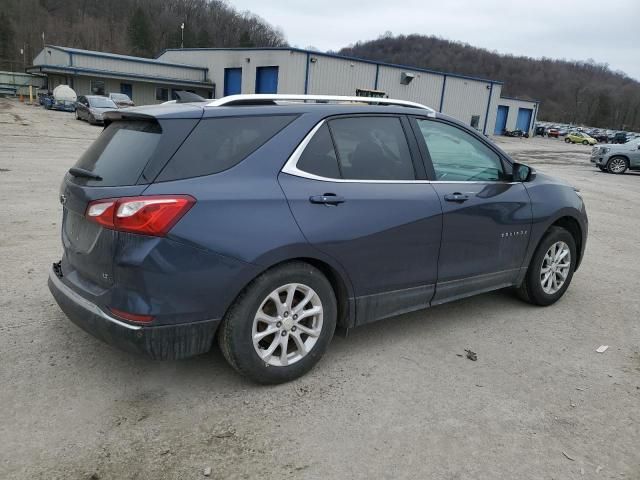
(602, 169)
(532, 289)
(584, 142)
(566, 140)
(617, 165)
(77, 116)
(241, 323)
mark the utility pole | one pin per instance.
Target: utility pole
(182, 35)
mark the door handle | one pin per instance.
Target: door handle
(327, 199)
(456, 197)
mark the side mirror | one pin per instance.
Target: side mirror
(523, 173)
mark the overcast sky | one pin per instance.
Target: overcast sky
(606, 30)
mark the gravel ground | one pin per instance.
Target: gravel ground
(392, 400)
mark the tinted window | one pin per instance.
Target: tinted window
(120, 153)
(102, 102)
(372, 148)
(218, 144)
(458, 156)
(319, 157)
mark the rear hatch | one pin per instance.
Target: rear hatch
(122, 162)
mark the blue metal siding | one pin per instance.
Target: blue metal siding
(232, 81)
(267, 80)
(524, 119)
(501, 119)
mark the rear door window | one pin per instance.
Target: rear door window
(120, 153)
(218, 144)
(372, 148)
(319, 157)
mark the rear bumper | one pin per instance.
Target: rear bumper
(165, 342)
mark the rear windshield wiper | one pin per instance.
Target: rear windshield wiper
(81, 172)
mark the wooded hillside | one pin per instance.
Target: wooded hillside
(570, 91)
(134, 27)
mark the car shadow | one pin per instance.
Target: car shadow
(210, 373)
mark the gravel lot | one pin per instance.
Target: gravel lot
(393, 400)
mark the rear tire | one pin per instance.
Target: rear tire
(548, 277)
(617, 165)
(297, 341)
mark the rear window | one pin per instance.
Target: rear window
(120, 153)
(218, 144)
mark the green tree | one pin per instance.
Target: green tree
(140, 33)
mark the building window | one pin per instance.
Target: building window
(97, 87)
(162, 94)
(475, 121)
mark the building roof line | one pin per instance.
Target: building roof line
(127, 58)
(519, 99)
(154, 78)
(335, 55)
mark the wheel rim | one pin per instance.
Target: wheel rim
(287, 325)
(555, 267)
(617, 165)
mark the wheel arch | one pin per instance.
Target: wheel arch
(572, 225)
(618, 155)
(337, 277)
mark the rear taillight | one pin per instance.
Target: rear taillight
(153, 215)
(132, 317)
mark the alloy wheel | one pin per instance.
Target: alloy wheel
(287, 325)
(617, 165)
(555, 267)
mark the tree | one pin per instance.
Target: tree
(245, 40)
(140, 33)
(7, 47)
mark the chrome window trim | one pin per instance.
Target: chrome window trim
(291, 168)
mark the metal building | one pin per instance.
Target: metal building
(145, 80)
(472, 100)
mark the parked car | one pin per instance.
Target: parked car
(602, 137)
(540, 131)
(617, 158)
(92, 108)
(553, 133)
(122, 100)
(268, 220)
(579, 137)
(621, 137)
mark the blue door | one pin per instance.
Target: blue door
(127, 89)
(267, 80)
(501, 119)
(524, 119)
(232, 81)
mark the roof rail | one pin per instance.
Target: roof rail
(265, 98)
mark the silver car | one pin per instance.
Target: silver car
(91, 108)
(617, 158)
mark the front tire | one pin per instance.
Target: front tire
(280, 325)
(585, 142)
(617, 165)
(566, 140)
(551, 268)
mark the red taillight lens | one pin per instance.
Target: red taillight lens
(132, 317)
(153, 215)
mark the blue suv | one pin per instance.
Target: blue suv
(271, 220)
